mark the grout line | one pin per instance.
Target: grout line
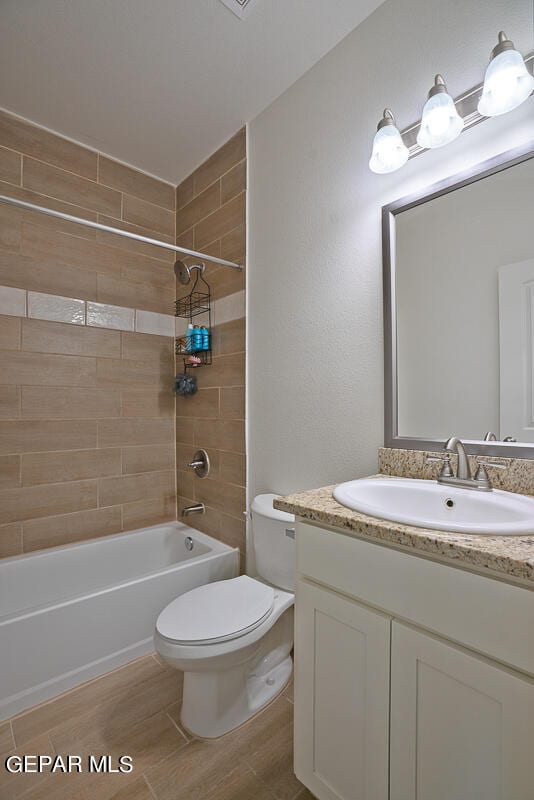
(150, 789)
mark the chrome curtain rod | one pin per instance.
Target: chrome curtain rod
(100, 227)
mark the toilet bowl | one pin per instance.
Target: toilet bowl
(233, 639)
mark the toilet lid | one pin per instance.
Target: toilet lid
(217, 611)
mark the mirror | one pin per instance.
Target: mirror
(459, 311)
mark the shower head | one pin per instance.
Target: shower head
(183, 272)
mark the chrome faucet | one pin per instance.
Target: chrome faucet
(198, 508)
(463, 478)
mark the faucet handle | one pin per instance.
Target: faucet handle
(446, 470)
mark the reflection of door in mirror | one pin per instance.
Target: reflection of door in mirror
(516, 335)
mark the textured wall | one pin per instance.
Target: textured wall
(315, 355)
(86, 402)
(211, 217)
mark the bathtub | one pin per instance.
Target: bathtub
(72, 613)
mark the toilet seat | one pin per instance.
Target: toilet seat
(216, 612)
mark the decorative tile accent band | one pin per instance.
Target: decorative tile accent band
(51, 307)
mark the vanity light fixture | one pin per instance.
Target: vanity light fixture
(389, 151)
(441, 122)
(507, 82)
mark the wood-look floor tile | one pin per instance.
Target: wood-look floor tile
(146, 402)
(9, 402)
(132, 181)
(148, 458)
(7, 742)
(232, 152)
(73, 465)
(9, 472)
(14, 785)
(137, 790)
(148, 215)
(44, 178)
(39, 275)
(149, 511)
(30, 502)
(49, 715)
(51, 402)
(56, 337)
(9, 333)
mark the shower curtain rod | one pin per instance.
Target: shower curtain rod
(100, 227)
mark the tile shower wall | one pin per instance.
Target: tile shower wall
(211, 217)
(86, 349)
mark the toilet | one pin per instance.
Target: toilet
(233, 639)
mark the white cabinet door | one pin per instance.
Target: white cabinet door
(341, 696)
(462, 728)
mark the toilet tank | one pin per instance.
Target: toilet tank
(273, 539)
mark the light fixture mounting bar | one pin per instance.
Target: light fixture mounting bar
(466, 105)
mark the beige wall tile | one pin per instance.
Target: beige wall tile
(74, 465)
(129, 488)
(225, 371)
(151, 511)
(134, 431)
(139, 212)
(10, 540)
(9, 233)
(185, 483)
(184, 192)
(42, 501)
(21, 215)
(205, 403)
(220, 222)
(232, 468)
(9, 333)
(40, 369)
(68, 528)
(135, 295)
(9, 402)
(199, 208)
(46, 276)
(233, 402)
(146, 403)
(148, 347)
(229, 337)
(125, 372)
(9, 472)
(233, 531)
(185, 430)
(148, 458)
(220, 434)
(54, 337)
(224, 281)
(34, 141)
(35, 436)
(220, 162)
(10, 166)
(132, 181)
(133, 246)
(45, 179)
(234, 244)
(221, 496)
(43, 402)
(234, 182)
(72, 251)
(12, 301)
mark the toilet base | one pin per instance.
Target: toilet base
(198, 719)
(228, 692)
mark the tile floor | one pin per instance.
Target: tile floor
(135, 711)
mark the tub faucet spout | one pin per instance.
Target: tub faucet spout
(199, 508)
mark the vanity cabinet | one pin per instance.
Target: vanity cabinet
(342, 696)
(414, 680)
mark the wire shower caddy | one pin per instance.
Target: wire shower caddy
(197, 302)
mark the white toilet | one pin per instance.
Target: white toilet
(233, 638)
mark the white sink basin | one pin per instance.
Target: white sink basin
(428, 504)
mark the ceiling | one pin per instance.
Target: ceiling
(160, 84)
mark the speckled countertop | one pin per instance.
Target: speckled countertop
(509, 557)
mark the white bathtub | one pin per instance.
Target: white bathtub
(71, 613)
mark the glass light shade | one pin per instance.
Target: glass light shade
(440, 123)
(507, 84)
(389, 151)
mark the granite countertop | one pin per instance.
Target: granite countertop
(509, 557)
